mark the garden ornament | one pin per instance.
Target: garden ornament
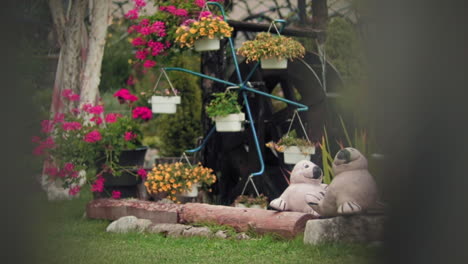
(306, 178)
(352, 190)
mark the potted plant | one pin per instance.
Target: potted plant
(86, 139)
(173, 179)
(272, 50)
(244, 201)
(294, 149)
(203, 34)
(164, 100)
(226, 112)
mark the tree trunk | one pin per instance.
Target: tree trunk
(97, 39)
(286, 224)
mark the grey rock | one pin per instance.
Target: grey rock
(242, 236)
(355, 228)
(123, 225)
(174, 230)
(221, 234)
(143, 224)
(197, 231)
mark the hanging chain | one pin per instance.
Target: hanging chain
(184, 156)
(163, 72)
(253, 184)
(296, 113)
(273, 24)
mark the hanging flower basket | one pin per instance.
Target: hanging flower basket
(207, 44)
(274, 63)
(229, 123)
(294, 154)
(164, 104)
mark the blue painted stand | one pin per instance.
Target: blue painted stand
(244, 87)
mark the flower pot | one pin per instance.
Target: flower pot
(240, 205)
(257, 206)
(229, 123)
(126, 183)
(294, 154)
(192, 192)
(206, 44)
(274, 63)
(164, 104)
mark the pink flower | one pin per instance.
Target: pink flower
(149, 64)
(112, 117)
(144, 22)
(47, 126)
(132, 14)
(145, 31)
(130, 80)
(93, 136)
(128, 136)
(159, 28)
(51, 171)
(180, 12)
(156, 47)
(67, 126)
(86, 107)
(97, 120)
(74, 97)
(142, 173)
(171, 9)
(75, 111)
(74, 190)
(69, 167)
(206, 14)
(141, 54)
(133, 28)
(142, 112)
(138, 42)
(124, 95)
(48, 143)
(116, 194)
(59, 117)
(97, 110)
(200, 3)
(139, 3)
(98, 185)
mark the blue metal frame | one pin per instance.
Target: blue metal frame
(243, 90)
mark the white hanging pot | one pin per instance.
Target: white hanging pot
(274, 63)
(258, 206)
(192, 192)
(206, 44)
(164, 104)
(229, 123)
(240, 205)
(294, 154)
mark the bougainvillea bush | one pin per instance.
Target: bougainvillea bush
(81, 138)
(153, 35)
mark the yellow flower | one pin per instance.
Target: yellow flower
(193, 30)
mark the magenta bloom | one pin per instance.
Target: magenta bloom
(132, 14)
(149, 64)
(156, 47)
(98, 185)
(124, 95)
(93, 136)
(51, 171)
(130, 80)
(74, 190)
(145, 31)
(128, 136)
(138, 42)
(48, 143)
(69, 167)
(47, 126)
(112, 117)
(159, 28)
(139, 3)
(141, 54)
(97, 120)
(97, 110)
(200, 3)
(133, 28)
(116, 194)
(142, 112)
(142, 173)
(59, 117)
(86, 107)
(67, 126)
(74, 97)
(180, 12)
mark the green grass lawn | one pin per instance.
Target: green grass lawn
(67, 237)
